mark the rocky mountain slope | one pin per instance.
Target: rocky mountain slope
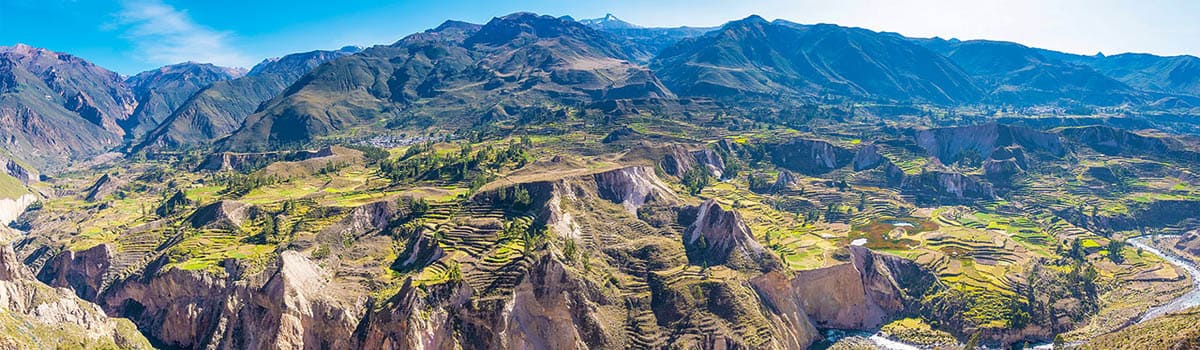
(35, 315)
(756, 57)
(651, 40)
(511, 60)
(532, 183)
(1170, 74)
(159, 92)
(217, 110)
(57, 107)
(1016, 74)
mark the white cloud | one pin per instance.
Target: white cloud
(162, 34)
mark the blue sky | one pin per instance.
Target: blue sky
(129, 36)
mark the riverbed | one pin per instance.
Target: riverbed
(1187, 300)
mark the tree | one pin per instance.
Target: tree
(1076, 252)
(569, 249)
(454, 273)
(417, 207)
(1115, 247)
(696, 179)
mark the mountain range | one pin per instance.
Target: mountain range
(473, 70)
(542, 182)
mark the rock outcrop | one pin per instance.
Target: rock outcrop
(784, 181)
(1112, 141)
(551, 308)
(223, 214)
(811, 157)
(104, 186)
(947, 186)
(18, 171)
(632, 187)
(716, 236)
(1190, 243)
(36, 315)
(225, 161)
(861, 294)
(679, 160)
(12, 208)
(293, 304)
(82, 271)
(952, 144)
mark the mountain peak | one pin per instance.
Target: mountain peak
(609, 21)
(453, 24)
(753, 19)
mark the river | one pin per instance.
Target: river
(1187, 300)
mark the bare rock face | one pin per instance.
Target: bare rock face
(1190, 243)
(792, 323)
(554, 309)
(860, 294)
(297, 308)
(551, 308)
(719, 237)
(366, 219)
(811, 157)
(632, 187)
(175, 308)
(951, 144)
(81, 271)
(225, 214)
(291, 305)
(868, 157)
(784, 181)
(1113, 141)
(40, 309)
(18, 171)
(711, 161)
(398, 325)
(104, 186)
(12, 208)
(678, 160)
(1001, 169)
(947, 186)
(223, 161)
